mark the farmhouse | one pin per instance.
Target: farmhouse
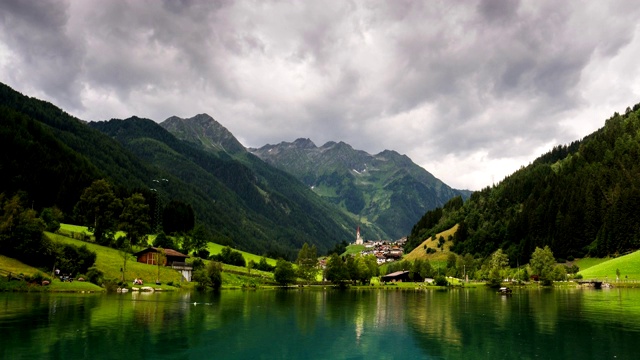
(176, 260)
(150, 256)
(398, 276)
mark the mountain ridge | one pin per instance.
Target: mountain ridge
(386, 188)
(394, 191)
(55, 156)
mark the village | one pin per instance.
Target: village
(385, 251)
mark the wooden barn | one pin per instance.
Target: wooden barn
(150, 256)
(397, 276)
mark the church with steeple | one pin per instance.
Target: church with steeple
(359, 240)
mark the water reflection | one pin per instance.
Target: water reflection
(461, 323)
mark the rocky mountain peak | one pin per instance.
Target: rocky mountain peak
(304, 143)
(204, 130)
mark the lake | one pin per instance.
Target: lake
(323, 324)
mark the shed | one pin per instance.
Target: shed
(150, 256)
(397, 276)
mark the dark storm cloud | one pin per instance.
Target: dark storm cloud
(49, 58)
(485, 85)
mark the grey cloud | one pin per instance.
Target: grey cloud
(49, 59)
(453, 78)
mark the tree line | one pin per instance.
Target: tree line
(579, 200)
(241, 202)
(22, 237)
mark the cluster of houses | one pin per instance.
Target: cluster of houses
(384, 251)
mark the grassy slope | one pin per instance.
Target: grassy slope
(216, 249)
(586, 263)
(353, 249)
(629, 265)
(212, 247)
(110, 261)
(420, 253)
(15, 267)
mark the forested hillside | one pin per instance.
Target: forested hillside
(579, 199)
(387, 190)
(255, 207)
(51, 157)
(206, 133)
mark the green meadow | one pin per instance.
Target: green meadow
(15, 267)
(110, 261)
(586, 263)
(629, 266)
(215, 249)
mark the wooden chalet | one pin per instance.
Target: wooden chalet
(397, 276)
(150, 256)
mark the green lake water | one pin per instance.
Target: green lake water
(323, 324)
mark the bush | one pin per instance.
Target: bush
(229, 256)
(211, 276)
(73, 259)
(264, 266)
(111, 285)
(203, 253)
(164, 241)
(95, 276)
(197, 264)
(284, 273)
(440, 280)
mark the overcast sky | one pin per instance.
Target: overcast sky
(470, 90)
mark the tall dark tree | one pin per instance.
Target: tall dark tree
(21, 232)
(98, 209)
(51, 217)
(134, 220)
(196, 240)
(542, 264)
(284, 273)
(336, 270)
(178, 217)
(307, 262)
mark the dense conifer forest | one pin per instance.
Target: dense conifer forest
(579, 199)
(50, 157)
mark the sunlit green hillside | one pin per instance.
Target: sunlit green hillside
(629, 266)
(217, 248)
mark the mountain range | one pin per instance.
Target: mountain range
(386, 189)
(243, 201)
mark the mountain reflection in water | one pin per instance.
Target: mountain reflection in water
(321, 324)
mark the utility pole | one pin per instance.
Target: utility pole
(159, 193)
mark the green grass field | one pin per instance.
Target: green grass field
(70, 229)
(215, 249)
(586, 263)
(110, 262)
(629, 266)
(15, 267)
(441, 253)
(353, 249)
